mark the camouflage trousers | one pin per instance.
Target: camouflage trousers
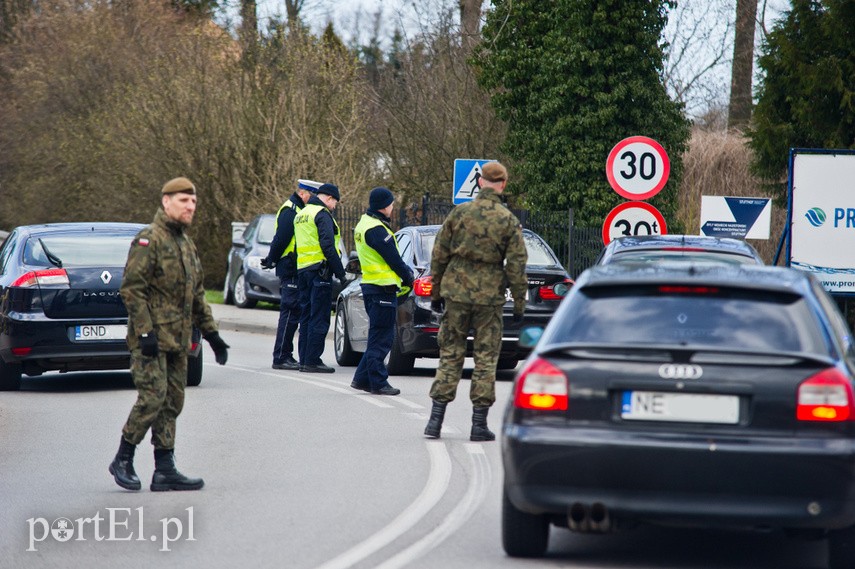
(458, 320)
(160, 383)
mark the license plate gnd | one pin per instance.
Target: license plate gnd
(92, 332)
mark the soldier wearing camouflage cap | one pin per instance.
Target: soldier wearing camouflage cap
(162, 291)
(478, 250)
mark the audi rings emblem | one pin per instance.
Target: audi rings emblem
(680, 371)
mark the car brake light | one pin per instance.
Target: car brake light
(826, 396)
(21, 351)
(423, 286)
(541, 386)
(46, 277)
(547, 292)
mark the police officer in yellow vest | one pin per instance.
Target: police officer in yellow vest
(318, 259)
(384, 276)
(283, 256)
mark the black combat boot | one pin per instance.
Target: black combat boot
(437, 414)
(167, 477)
(480, 432)
(122, 467)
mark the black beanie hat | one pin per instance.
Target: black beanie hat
(330, 190)
(380, 198)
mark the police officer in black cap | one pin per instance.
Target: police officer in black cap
(318, 259)
(385, 277)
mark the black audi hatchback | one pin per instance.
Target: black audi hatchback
(60, 308)
(685, 394)
(418, 325)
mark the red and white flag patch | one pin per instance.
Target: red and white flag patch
(143, 241)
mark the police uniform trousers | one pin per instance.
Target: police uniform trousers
(290, 311)
(382, 309)
(486, 323)
(316, 303)
(160, 383)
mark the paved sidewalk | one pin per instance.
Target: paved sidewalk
(258, 320)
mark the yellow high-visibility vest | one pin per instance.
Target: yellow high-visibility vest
(291, 244)
(375, 269)
(309, 250)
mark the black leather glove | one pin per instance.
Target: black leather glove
(220, 348)
(438, 305)
(268, 263)
(341, 276)
(519, 314)
(408, 282)
(148, 345)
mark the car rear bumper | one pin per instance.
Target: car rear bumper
(761, 482)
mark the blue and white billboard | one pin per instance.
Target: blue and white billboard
(822, 216)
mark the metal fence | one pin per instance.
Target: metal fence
(576, 247)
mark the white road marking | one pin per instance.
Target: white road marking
(468, 505)
(346, 391)
(435, 488)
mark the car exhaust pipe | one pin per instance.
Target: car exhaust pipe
(578, 519)
(600, 520)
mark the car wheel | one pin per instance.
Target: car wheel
(400, 363)
(344, 354)
(507, 363)
(841, 548)
(523, 535)
(227, 291)
(241, 301)
(10, 376)
(194, 370)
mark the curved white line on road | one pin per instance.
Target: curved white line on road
(346, 391)
(435, 488)
(464, 510)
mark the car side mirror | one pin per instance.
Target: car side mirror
(238, 242)
(529, 336)
(353, 266)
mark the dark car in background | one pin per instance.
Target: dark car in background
(685, 394)
(247, 282)
(652, 248)
(60, 308)
(418, 325)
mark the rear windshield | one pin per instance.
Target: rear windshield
(700, 316)
(79, 249)
(538, 253)
(651, 256)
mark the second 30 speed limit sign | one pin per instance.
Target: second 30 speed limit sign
(638, 168)
(633, 218)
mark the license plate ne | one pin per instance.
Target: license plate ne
(91, 332)
(683, 407)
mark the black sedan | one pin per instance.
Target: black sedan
(685, 395)
(60, 307)
(652, 248)
(418, 325)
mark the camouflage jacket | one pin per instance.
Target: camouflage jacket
(468, 261)
(162, 286)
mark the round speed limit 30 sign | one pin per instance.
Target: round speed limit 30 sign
(638, 168)
(633, 218)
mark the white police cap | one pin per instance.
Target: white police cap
(309, 185)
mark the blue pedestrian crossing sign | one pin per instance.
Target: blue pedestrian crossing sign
(466, 175)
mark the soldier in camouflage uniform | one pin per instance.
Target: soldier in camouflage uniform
(478, 251)
(162, 291)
